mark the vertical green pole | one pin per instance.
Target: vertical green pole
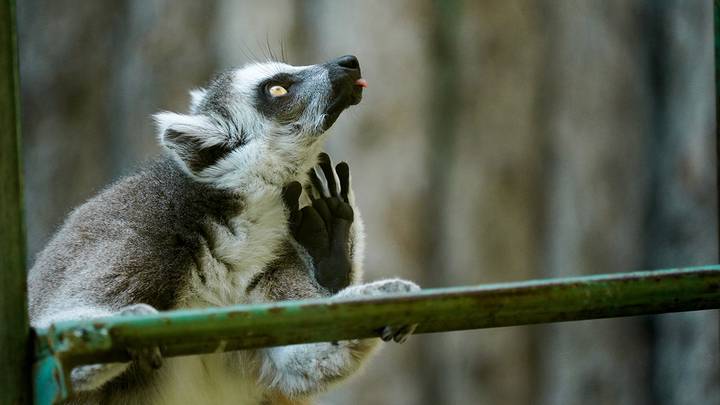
(716, 13)
(716, 24)
(14, 332)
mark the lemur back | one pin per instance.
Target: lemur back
(243, 208)
(144, 232)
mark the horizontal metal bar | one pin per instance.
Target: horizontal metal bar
(435, 310)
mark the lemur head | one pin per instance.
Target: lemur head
(262, 123)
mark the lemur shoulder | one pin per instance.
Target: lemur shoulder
(218, 221)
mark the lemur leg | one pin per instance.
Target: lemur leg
(93, 376)
(325, 230)
(300, 370)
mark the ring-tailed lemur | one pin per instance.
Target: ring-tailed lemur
(218, 222)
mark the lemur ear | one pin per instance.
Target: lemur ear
(195, 139)
(196, 97)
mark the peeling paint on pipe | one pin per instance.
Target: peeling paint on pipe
(73, 343)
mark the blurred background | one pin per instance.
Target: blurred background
(498, 141)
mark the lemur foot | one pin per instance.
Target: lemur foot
(93, 376)
(398, 333)
(323, 228)
(146, 358)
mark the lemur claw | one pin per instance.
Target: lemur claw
(398, 334)
(150, 357)
(403, 333)
(387, 334)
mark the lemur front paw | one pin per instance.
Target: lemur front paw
(323, 228)
(92, 376)
(398, 333)
(146, 358)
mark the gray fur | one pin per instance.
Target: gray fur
(147, 229)
(203, 226)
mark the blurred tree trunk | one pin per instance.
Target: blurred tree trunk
(483, 191)
(681, 227)
(596, 115)
(86, 72)
(65, 80)
(633, 186)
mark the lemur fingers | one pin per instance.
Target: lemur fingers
(327, 182)
(330, 188)
(343, 171)
(147, 358)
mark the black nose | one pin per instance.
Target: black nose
(347, 62)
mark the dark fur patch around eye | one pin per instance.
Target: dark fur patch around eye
(282, 79)
(287, 108)
(193, 153)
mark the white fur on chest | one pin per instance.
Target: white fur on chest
(205, 379)
(241, 248)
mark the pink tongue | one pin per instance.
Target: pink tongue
(362, 83)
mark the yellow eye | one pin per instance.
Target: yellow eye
(277, 91)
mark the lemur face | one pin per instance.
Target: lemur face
(264, 119)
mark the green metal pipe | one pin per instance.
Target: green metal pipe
(242, 327)
(71, 343)
(15, 345)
